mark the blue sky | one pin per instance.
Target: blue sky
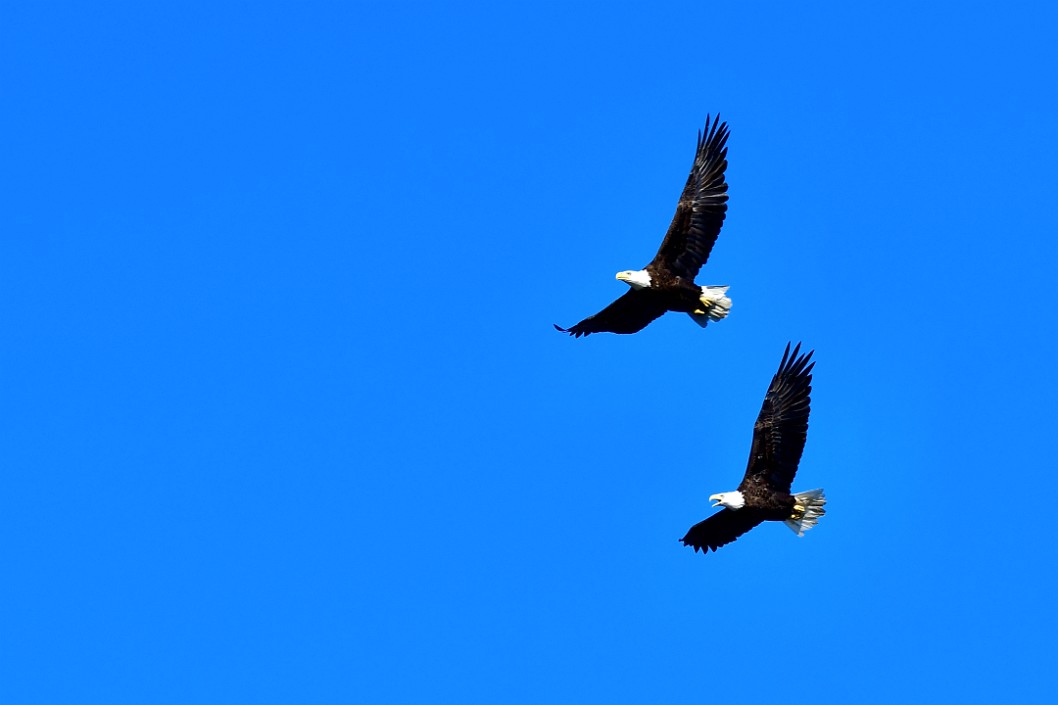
(285, 420)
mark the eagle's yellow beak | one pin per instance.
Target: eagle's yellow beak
(715, 498)
(622, 276)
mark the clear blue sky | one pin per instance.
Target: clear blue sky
(283, 417)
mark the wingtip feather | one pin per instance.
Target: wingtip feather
(793, 362)
(570, 331)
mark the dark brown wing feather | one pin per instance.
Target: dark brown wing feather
(720, 529)
(782, 425)
(701, 209)
(629, 314)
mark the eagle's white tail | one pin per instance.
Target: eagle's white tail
(715, 305)
(807, 510)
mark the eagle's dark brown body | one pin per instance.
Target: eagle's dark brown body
(770, 506)
(675, 293)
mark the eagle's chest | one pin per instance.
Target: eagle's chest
(679, 295)
(774, 505)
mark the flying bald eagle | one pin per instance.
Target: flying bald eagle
(778, 440)
(667, 283)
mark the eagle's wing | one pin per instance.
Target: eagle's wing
(720, 529)
(628, 314)
(701, 209)
(782, 426)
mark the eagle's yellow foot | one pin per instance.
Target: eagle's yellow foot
(798, 511)
(699, 312)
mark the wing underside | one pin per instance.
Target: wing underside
(720, 529)
(628, 314)
(701, 209)
(781, 428)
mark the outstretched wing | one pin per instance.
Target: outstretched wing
(629, 314)
(782, 425)
(720, 529)
(701, 209)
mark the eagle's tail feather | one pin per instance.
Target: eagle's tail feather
(715, 305)
(807, 511)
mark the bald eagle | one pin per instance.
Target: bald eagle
(778, 440)
(667, 283)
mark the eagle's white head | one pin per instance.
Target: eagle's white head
(731, 500)
(636, 280)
